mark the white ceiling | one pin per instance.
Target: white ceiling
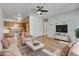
(10, 10)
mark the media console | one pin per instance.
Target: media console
(61, 37)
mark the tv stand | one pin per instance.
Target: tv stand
(61, 37)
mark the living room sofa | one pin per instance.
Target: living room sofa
(13, 48)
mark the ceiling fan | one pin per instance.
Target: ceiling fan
(40, 10)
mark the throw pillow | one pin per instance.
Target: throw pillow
(26, 34)
(5, 43)
(7, 53)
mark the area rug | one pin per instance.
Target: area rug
(26, 51)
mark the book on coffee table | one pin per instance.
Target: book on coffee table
(36, 44)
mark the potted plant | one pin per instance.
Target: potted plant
(77, 33)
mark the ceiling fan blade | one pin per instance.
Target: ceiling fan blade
(40, 13)
(40, 7)
(34, 10)
(44, 10)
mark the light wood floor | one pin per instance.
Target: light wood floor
(52, 43)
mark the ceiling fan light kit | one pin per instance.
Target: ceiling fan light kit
(39, 12)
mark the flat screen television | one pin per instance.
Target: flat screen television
(62, 28)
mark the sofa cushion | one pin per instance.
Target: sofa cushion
(7, 53)
(1, 46)
(5, 43)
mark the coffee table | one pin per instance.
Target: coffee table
(35, 45)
